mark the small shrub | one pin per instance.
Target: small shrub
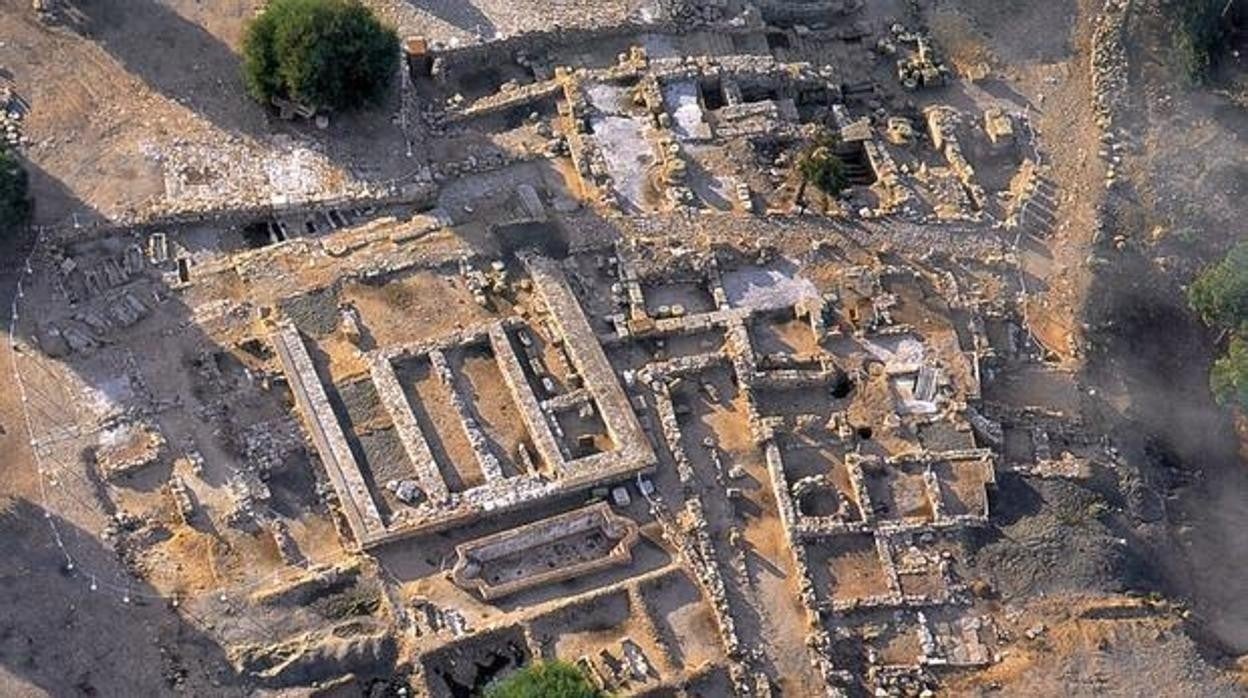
(1229, 377)
(819, 165)
(1201, 27)
(1220, 293)
(15, 204)
(545, 680)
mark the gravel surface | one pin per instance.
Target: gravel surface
(1051, 537)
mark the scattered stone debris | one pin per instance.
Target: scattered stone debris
(128, 448)
(602, 379)
(12, 111)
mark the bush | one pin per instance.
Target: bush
(322, 53)
(1220, 293)
(15, 203)
(819, 166)
(545, 680)
(1229, 377)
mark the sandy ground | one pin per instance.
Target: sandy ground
(1183, 485)
(137, 84)
(57, 637)
(487, 19)
(130, 97)
(1093, 646)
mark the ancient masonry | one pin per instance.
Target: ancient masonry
(498, 565)
(357, 505)
(627, 394)
(442, 508)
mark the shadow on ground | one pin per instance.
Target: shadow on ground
(199, 69)
(55, 204)
(59, 636)
(1145, 340)
(461, 14)
(176, 57)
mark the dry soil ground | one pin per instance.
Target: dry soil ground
(135, 80)
(1182, 487)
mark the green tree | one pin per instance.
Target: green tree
(819, 165)
(1202, 27)
(15, 203)
(323, 53)
(1229, 377)
(1220, 293)
(545, 680)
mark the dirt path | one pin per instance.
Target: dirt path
(1040, 55)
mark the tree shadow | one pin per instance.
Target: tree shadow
(189, 65)
(1003, 91)
(461, 14)
(176, 57)
(1144, 338)
(54, 202)
(59, 636)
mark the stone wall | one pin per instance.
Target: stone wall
(622, 533)
(355, 501)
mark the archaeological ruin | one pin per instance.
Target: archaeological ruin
(604, 380)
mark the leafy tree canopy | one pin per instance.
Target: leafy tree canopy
(323, 53)
(819, 165)
(1202, 28)
(1229, 376)
(545, 680)
(15, 203)
(1220, 294)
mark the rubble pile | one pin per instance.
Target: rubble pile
(127, 449)
(696, 12)
(921, 67)
(603, 371)
(266, 445)
(12, 111)
(1109, 78)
